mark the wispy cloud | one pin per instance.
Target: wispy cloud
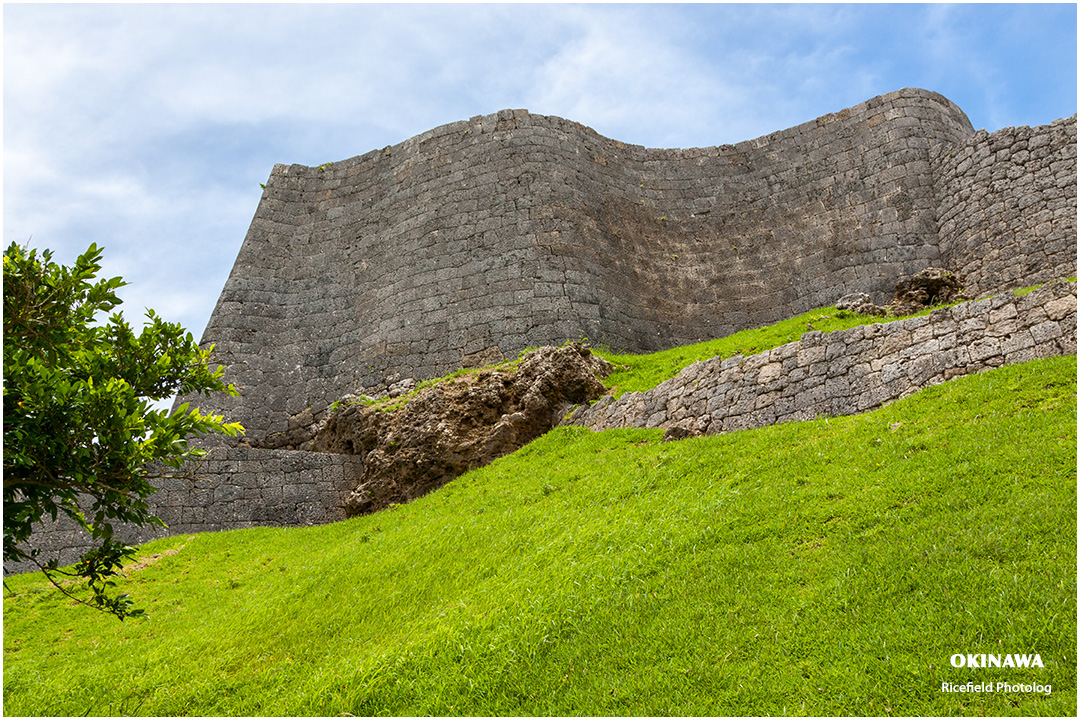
(625, 77)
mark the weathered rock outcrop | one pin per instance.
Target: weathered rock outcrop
(451, 427)
(932, 286)
(914, 293)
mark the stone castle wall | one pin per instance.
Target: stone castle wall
(849, 371)
(477, 239)
(1007, 205)
(838, 373)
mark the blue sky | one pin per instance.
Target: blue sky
(148, 128)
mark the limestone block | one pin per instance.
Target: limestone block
(891, 372)
(1061, 307)
(770, 372)
(1006, 311)
(1045, 332)
(655, 419)
(765, 400)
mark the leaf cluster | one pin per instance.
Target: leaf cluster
(82, 437)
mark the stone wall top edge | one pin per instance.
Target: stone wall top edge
(873, 106)
(982, 134)
(525, 119)
(1041, 294)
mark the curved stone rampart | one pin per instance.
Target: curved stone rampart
(849, 371)
(1007, 205)
(478, 239)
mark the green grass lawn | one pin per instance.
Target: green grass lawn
(826, 568)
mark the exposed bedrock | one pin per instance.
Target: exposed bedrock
(926, 288)
(449, 428)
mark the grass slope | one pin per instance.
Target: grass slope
(828, 568)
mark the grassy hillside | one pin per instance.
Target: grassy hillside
(827, 567)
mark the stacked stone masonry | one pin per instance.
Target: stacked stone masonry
(231, 488)
(838, 373)
(477, 239)
(1007, 205)
(849, 371)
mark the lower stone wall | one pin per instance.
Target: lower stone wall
(849, 371)
(233, 488)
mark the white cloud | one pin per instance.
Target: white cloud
(617, 75)
(953, 51)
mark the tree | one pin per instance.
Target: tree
(81, 435)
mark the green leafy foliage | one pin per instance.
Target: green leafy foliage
(81, 435)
